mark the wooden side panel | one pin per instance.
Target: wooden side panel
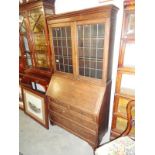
(111, 46)
(104, 112)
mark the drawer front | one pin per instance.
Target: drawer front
(74, 116)
(73, 127)
(82, 113)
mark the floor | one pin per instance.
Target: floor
(36, 140)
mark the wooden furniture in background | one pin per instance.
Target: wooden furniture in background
(34, 42)
(35, 54)
(125, 85)
(32, 77)
(35, 68)
(35, 85)
(79, 91)
(21, 102)
(124, 144)
(29, 1)
(130, 119)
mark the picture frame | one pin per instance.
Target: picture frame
(21, 103)
(36, 106)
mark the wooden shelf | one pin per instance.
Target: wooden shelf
(120, 115)
(124, 93)
(26, 85)
(115, 133)
(128, 38)
(125, 96)
(128, 92)
(127, 70)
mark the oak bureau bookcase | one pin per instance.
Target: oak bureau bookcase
(79, 91)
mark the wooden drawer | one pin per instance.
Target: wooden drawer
(78, 112)
(74, 116)
(74, 127)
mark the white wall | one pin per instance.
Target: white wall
(62, 6)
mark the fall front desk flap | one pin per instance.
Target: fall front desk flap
(76, 93)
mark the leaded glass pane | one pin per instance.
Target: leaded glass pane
(90, 48)
(63, 48)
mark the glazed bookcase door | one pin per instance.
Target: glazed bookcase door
(127, 88)
(129, 25)
(79, 49)
(62, 44)
(129, 52)
(90, 49)
(36, 31)
(40, 48)
(26, 54)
